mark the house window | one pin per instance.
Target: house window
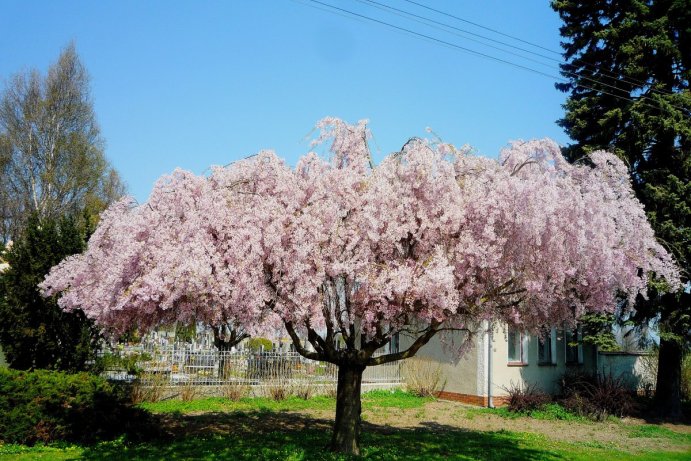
(573, 347)
(394, 344)
(546, 347)
(517, 347)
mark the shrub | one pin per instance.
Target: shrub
(46, 406)
(189, 391)
(235, 390)
(148, 387)
(596, 396)
(130, 363)
(277, 389)
(526, 398)
(423, 377)
(259, 344)
(331, 391)
(303, 388)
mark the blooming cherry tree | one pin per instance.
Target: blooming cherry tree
(344, 252)
(162, 262)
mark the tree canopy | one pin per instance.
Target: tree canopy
(51, 150)
(432, 239)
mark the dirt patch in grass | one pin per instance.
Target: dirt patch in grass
(444, 415)
(629, 435)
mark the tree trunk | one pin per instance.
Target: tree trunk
(668, 387)
(223, 366)
(346, 434)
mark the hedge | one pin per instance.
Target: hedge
(47, 406)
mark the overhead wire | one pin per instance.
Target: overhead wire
(429, 22)
(425, 20)
(352, 14)
(498, 32)
(422, 19)
(629, 80)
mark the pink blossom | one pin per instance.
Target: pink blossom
(431, 238)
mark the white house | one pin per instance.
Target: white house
(507, 358)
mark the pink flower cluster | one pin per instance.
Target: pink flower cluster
(432, 234)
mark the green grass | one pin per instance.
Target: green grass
(302, 437)
(373, 399)
(52, 452)
(658, 432)
(219, 404)
(309, 445)
(551, 412)
(393, 399)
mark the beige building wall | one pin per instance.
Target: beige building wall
(469, 378)
(546, 376)
(459, 372)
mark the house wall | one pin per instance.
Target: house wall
(544, 376)
(466, 378)
(637, 369)
(459, 372)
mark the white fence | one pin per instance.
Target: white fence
(214, 368)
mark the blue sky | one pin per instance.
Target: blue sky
(193, 84)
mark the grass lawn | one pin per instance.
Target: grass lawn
(397, 426)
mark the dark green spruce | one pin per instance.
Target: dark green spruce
(34, 331)
(627, 66)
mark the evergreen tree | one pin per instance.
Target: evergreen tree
(34, 331)
(627, 66)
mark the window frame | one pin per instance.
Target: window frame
(523, 348)
(395, 343)
(569, 336)
(551, 341)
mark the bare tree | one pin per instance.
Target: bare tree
(51, 149)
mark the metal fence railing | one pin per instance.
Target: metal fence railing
(211, 367)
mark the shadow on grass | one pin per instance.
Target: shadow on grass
(290, 436)
(647, 410)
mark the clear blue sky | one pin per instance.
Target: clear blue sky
(191, 84)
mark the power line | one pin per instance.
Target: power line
(484, 27)
(427, 21)
(477, 53)
(421, 20)
(632, 81)
(433, 39)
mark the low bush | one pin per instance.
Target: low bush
(526, 398)
(596, 396)
(259, 344)
(235, 390)
(423, 377)
(148, 387)
(47, 406)
(304, 389)
(130, 363)
(189, 391)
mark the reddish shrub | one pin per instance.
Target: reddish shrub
(526, 398)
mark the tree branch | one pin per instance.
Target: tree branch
(411, 351)
(298, 344)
